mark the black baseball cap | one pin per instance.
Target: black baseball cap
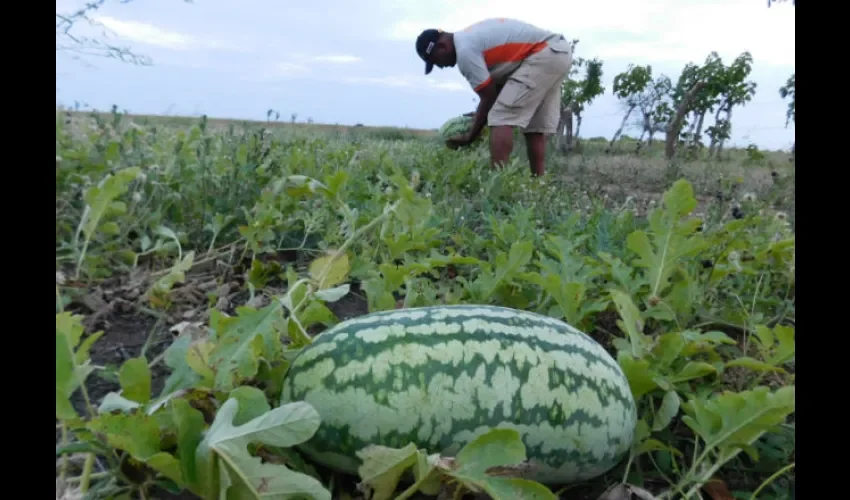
(425, 43)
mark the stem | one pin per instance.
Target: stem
(80, 259)
(628, 466)
(151, 336)
(85, 478)
(156, 360)
(218, 253)
(700, 480)
(415, 486)
(93, 475)
(355, 236)
(86, 398)
(63, 471)
(752, 312)
(772, 478)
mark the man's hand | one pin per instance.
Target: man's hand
(458, 141)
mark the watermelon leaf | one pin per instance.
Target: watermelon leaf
(72, 367)
(135, 378)
(242, 341)
(729, 423)
(382, 468)
(670, 238)
(139, 435)
(223, 454)
(486, 463)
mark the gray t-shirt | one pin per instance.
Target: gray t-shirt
(490, 50)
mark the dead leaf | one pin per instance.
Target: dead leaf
(624, 491)
(194, 330)
(717, 490)
(258, 301)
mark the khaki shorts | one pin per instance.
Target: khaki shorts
(531, 96)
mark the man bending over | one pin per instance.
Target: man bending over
(517, 71)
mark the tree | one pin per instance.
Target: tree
(82, 46)
(655, 109)
(628, 87)
(704, 101)
(735, 91)
(786, 91)
(576, 95)
(682, 105)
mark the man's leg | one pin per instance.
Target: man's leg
(527, 89)
(535, 144)
(545, 119)
(501, 144)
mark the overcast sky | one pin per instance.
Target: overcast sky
(349, 62)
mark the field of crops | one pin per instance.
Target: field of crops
(194, 259)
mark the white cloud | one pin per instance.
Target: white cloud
(407, 82)
(337, 59)
(387, 81)
(661, 30)
(151, 35)
(285, 70)
(450, 86)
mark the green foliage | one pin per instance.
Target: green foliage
(698, 310)
(484, 465)
(578, 93)
(789, 90)
(631, 82)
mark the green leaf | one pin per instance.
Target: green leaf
(182, 376)
(478, 463)
(252, 404)
(189, 423)
(138, 434)
(429, 484)
(754, 365)
(670, 239)
(135, 379)
(655, 445)
(245, 476)
(505, 267)
(787, 348)
(242, 341)
(692, 370)
(669, 347)
(330, 269)
(765, 336)
(72, 367)
(667, 411)
(333, 294)
(631, 321)
(382, 468)
(113, 401)
(642, 378)
(732, 421)
(99, 198)
(301, 186)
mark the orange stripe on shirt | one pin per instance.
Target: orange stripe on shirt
(511, 52)
(483, 84)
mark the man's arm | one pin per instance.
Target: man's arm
(486, 98)
(473, 67)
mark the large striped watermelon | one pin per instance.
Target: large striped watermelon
(440, 376)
